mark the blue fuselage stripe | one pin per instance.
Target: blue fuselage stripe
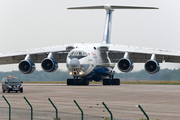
(98, 73)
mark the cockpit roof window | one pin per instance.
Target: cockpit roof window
(77, 53)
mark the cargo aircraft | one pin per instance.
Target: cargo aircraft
(92, 61)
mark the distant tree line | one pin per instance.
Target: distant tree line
(39, 75)
(163, 75)
(59, 75)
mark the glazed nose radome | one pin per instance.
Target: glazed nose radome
(74, 63)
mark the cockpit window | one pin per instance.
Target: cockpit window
(80, 53)
(77, 53)
(71, 53)
(84, 54)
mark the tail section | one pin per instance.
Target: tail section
(109, 9)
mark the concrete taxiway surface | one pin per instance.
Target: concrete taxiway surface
(160, 102)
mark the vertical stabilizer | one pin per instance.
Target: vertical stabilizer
(108, 22)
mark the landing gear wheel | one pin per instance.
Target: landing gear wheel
(78, 82)
(85, 82)
(16, 91)
(70, 81)
(115, 81)
(3, 90)
(106, 81)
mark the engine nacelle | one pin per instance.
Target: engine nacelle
(26, 67)
(125, 65)
(49, 65)
(152, 66)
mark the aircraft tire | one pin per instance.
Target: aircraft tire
(106, 82)
(115, 81)
(76, 82)
(70, 81)
(85, 82)
(79, 82)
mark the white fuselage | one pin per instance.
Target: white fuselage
(87, 59)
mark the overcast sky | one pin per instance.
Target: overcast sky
(39, 23)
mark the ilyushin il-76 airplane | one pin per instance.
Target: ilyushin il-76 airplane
(92, 61)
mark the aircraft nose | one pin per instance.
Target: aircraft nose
(74, 63)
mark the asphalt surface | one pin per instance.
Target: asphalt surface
(160, 102)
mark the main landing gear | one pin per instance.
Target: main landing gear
(115, 81)
(111, 81)
(77, 81)
(81, 81)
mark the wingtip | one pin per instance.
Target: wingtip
(156, 8)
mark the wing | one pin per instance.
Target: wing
(37, 54)
(142, 54)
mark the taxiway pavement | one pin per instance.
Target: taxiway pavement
(160, 102)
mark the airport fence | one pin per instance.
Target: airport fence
(24, 114)
(50, 110)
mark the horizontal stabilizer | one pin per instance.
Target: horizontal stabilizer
(111, 7)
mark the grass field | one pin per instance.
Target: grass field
(122, 82)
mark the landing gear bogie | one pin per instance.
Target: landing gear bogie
(106, 81)
(115, 81)
(70, 81)
(77, 82)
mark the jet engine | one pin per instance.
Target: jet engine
(26, 66)
(49, 65)
(152, 66)
(125, 65)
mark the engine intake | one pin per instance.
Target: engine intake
(125, 65)
(152, 66)
(49, 65)
(26, 67)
